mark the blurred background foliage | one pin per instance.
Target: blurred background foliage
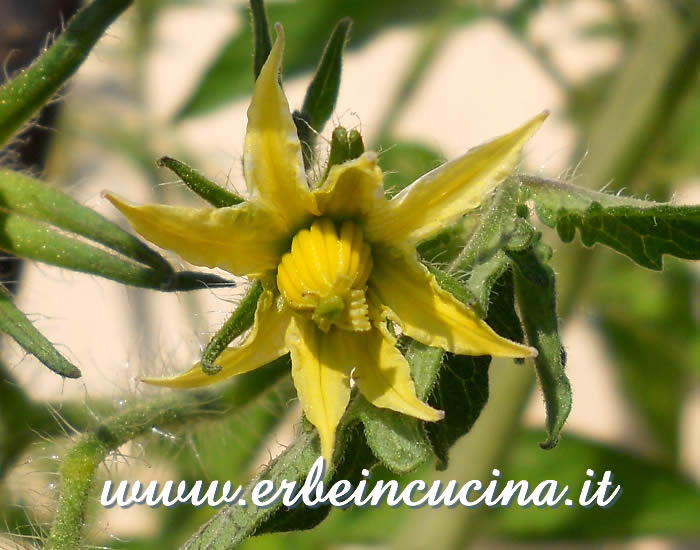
(638, 128)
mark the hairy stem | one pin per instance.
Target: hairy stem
(25, 94)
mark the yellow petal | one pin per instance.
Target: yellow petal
(440, 196)
(265, 343)
(272, 161)
(403, 290)
(242, 239)
(384, 376)
(354, 189)
(322, 377)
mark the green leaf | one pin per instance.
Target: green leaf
(641, 230)
(20, 194)
(655, 499)
(14, 323)
(261, 35)
(322, 92)
(25, 94)
(462, 391)
(228, 76)
(534, 284)
(211, 192)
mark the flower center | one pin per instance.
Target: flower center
(325, 275)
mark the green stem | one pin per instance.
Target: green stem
(174, 408)
(227, 530)
(79, 466)
(25, 94)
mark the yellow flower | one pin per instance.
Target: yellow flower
(336, 262)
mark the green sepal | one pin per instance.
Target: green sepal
(240, 320)
(29, 238)
(208, 190)
(31, 198)
(261, 35)
(535, 290)
(15, 324)
(400, 442)
(397, 440)
(322, 92)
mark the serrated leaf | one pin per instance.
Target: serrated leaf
(228, 76)
(641, 230)
(14, 323)
(655, 499)
(32, 88)
(535, 290)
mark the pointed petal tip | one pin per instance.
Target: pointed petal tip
(534, 353)
(538, 120)
(163, 382)
(118, 203)
(279, 29)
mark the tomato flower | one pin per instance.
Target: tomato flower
(336, 263)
